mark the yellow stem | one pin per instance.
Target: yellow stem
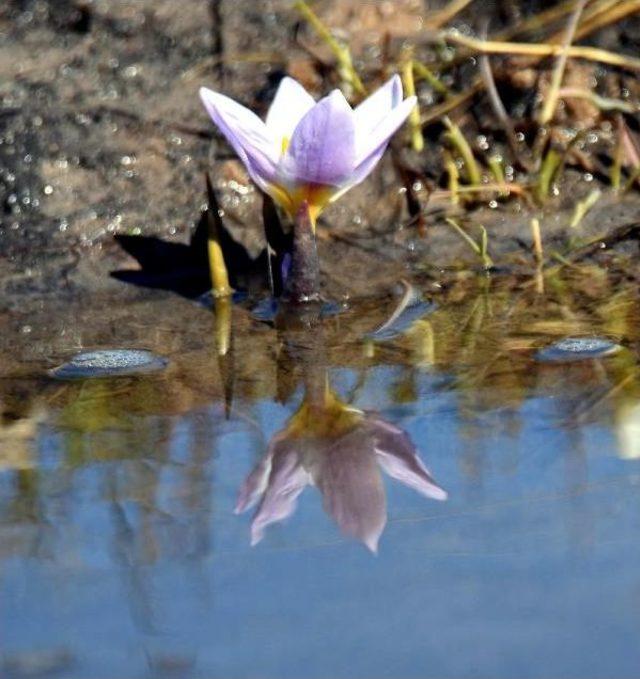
(417, 140)
(462, 146)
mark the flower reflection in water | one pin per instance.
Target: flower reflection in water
(341, 451)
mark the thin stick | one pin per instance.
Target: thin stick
(452, 102)
(551, 100)
(602, 103)
(480, 250)
(422, 71)
(496, 103)
(616, 166)
(439, 19)
(341, 52)
(453, 175)
(462, 146)
(537, 241)
(583, 206)
(417, 140)
(543, 50)
(548, 171)
(610, 12)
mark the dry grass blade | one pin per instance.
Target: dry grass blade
(444, 16)
(543, 50)
(551, 100)
(602, 15)
(435, 113)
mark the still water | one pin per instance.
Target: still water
(313, 499)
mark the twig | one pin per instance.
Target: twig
(551, 99)
(341, 52)
(542, 50)
(601, 15)
(444, 16)
(417, 140)
(537, 241)
(452, 172)
(583, 206)
(496, 103)
(602, 103)
(461, 145)
(548, 170)
(422, 71)
(480, 250)
(435, 113)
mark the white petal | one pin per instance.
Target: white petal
(374, 108)
(246, 133)
(383, 131)
(291, 102)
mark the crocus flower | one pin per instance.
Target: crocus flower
(307, 151)
(340, 451)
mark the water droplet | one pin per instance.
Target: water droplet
(577, 349)
(47, 190)
(482, 142)
(109, 363)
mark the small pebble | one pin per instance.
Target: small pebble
(109, 363)
(577, 349)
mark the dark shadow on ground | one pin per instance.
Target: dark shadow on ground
(184, 268)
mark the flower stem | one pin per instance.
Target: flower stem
(302, 284)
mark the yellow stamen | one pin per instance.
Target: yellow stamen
(284, 145)
(317, 197)
(330, 418)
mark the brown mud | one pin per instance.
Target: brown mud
(102, 134)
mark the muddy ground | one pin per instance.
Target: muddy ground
(102, 134)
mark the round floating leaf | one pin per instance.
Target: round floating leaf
(577, 349)
(109, 363)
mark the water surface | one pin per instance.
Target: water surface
(121, 554)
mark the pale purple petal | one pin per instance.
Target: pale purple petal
(371, 146)
(373, 109)
(287, 480)
(398, 457)
(246, 133)
(291, 102)
(322, 148)
(352, 488)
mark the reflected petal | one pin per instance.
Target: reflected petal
(351, 485)
(289, 105)
(255, 484)
(287, 479)
(398, 457)
(322, 147)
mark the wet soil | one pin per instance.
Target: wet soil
(102, 133)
